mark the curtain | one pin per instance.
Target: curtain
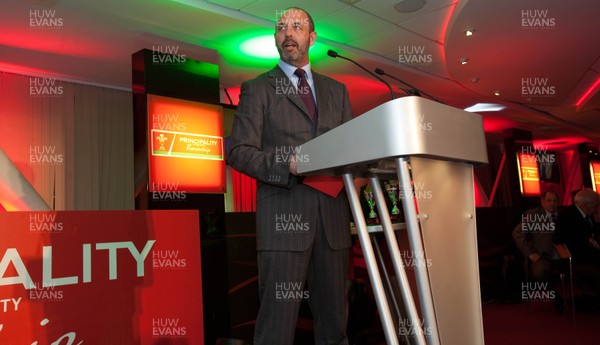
(73, 142)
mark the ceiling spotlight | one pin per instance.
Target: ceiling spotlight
(497, 93)
(474, 80)
(408, 6)
(463, 61)
(481, 107)
(469, 32)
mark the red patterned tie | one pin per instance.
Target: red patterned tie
(330, 185)
(306, 94)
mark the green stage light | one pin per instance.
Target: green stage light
(262, 47)
(258, 50)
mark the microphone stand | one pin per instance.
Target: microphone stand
(334, 54)
(415, 91)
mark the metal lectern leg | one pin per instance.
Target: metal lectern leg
(392, 242)
(416, 244)
(372, 268)
(386, 277)
(401, 329)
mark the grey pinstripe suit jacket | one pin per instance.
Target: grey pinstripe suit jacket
(270, 123)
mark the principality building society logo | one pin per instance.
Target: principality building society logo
(186, 145)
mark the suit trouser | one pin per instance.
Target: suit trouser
(281, 277)
(541, 269)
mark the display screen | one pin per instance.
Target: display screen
(528, 174)
(548, 165)
(185, 146)
(595, 171)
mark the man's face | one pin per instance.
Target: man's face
(550, 203)
(293, 37)
(587, 201)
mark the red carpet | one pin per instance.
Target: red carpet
(537, 324)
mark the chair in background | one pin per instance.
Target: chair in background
(500, 269)
(566, 272)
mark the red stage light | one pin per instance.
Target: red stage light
(587, 94)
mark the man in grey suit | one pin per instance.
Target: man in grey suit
(534, 236)
(302, 234)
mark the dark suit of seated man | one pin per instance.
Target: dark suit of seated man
(575, 228)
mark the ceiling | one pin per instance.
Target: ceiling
(540, 56)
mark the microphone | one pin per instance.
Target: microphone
(334, 54)
(414, 91)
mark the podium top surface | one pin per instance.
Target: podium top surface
(403, 127)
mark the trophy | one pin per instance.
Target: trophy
(391, 187)
(371, 202)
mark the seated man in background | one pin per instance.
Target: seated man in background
(575, 228)
(534, 236)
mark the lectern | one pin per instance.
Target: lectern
(431, 148)
(16, 193)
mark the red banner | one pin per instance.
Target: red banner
(100, 277)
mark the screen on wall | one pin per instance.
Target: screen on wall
(528, 174)
(186, 148)
(548, 166)
(595, 171)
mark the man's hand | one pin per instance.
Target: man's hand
(293, 165)
(534, 257)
